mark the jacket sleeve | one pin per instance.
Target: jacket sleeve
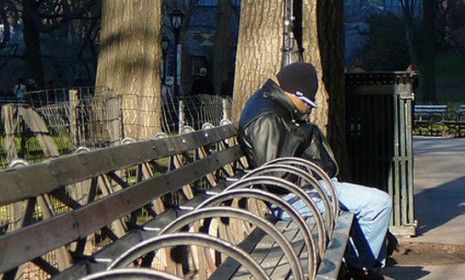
(318, 150)
(267, 138)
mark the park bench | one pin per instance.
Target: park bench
(455, 122)
(430, 117)
(126, 195)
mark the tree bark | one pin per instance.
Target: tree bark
(259, 57)
(258, 49)
(129, 62)
(323, 43)
(32, 60)
(223, 44)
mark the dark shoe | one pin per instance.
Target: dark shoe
(352, 273)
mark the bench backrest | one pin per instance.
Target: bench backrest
(431, 109)
(106, 172)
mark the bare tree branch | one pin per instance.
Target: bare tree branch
(63, 17)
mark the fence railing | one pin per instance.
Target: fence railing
(83, 116)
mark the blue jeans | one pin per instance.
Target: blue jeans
(372, 210)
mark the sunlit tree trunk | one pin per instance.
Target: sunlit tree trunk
(259, 57)
(129, 62)
(258, 50)
(324, 47)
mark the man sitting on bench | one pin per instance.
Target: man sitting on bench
(274, 123)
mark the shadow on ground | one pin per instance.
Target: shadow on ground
(405, 272)
(409, 260)
(436, 206)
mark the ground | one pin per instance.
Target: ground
(419, 253)
(438, 249)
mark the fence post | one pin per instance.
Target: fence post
(10, 122)
(225, 109)
(73, 103)
(114, 117)
(181, 115)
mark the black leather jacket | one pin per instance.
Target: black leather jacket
(270, 127)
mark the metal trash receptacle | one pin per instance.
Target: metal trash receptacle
(379, 139)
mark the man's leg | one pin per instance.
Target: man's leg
(372, 210)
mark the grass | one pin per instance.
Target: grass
(32, 151)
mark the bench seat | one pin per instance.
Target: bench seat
(276, 264)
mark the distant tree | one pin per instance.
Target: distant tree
(44, 16)
(428, 65)
(409, 11)
(9, 15)
(129, 61)
(223, 43)
(386, 47)
(259, 57)
(451, 24)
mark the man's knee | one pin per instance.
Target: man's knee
(380, 202)
(386, 201)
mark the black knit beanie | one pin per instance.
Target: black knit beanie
(300, 79)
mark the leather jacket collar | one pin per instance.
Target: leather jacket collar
(272, 90)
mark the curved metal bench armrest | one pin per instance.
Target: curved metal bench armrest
(197, 239)
(240, 214)
(132, 273)
(308, 179)
(312, 167)
(276, 200)
(256, 181)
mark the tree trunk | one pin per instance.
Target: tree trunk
(223, 44)
(129, 62)
(32, 61)
(428, 66)
(411, 39)
(186, 61)
(259, 57)
(258, 49)
(324, 48)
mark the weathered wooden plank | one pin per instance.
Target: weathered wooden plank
(128, 241)
(60, 230)
(330, 265)
(19, 184)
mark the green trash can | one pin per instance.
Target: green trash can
(379, 138)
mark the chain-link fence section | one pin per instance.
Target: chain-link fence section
(94, 117)
(72, 118)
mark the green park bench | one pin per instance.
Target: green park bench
(455, 121)
(430, 117)
(92, 213)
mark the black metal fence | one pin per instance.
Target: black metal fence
(379, 122)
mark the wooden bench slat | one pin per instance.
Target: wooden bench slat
(22, 183)
(60, 230)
